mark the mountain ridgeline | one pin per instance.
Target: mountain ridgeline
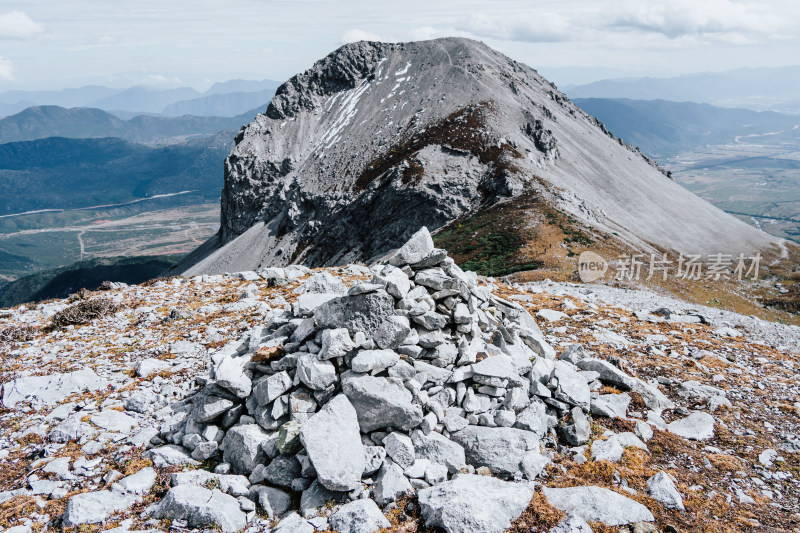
(376, 140)
(661, 128)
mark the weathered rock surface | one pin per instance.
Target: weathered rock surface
(333, 443)
(474, 504)
(95, 507)
(596, 504)
(201, 507)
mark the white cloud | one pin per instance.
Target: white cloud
(160, 79)
(6, 70)
(678, 18)
(18, 25)
(542, 27)
(106, 39)
(358, 35)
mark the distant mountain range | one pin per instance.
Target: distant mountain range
(752, 88)
(224, 104)
(245, 94)
(40, 122)
(662, 129)
(61, 173)
(89, 274)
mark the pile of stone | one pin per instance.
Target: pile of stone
(418, 380)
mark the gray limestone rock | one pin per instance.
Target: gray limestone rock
(381, 403)
(139, 483)
(391, 484)
(437, 448)
(336, 342)
(696, 426)
(274, 502)
(201, 508)
(241, 447)
(314, 373)
(333, 444)
(316, 497)
(596, 504)
(578, 431)
(169, 455)
(662, 488)
(360, 516)
(414, 250)
(360, 312)
(374, 360)
(474, 504)
(49, 390)
(293, 523)
(400, 448)
(572, 523)
(95, 507)
(611, 405)
(501, 449)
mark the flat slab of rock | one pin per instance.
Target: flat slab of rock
(49, 390)
(360, 312)
(141, 482)
(474, 504)
(169, 455)
(235, 485)
(200, 508)
(113, 420)
(333, 443)
(95, 507)
(596, 504)
(696, 426)
(381, 403)
(501, 448)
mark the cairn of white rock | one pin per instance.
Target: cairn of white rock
(412, 381)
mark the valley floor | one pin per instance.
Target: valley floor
(754, 179)
(42, 241)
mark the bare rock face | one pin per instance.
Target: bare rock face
(377, 140)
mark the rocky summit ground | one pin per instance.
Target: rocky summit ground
(406, 396)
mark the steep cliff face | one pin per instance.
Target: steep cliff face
(375, 140)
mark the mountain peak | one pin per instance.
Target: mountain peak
(378, 139)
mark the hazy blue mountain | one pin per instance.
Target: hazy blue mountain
(756, 88)
(11, 109)
(89, 274)
(52, 121)
(137, 99)
(221, 105)
(242, 86)
(144, 99)
(661, 128)
(76, 97)
(59, 173)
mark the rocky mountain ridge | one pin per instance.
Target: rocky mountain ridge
(351, 388)
(377, 140)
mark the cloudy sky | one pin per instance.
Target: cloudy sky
(49, 45)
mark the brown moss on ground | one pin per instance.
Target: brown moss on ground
(83, 312)
(18, 333)
(539, 517)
